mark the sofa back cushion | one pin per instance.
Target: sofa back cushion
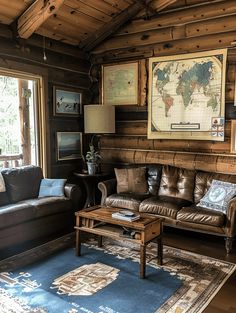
(3, 199)
(22, 182)
(154, 178)
(177, 182)
(203, 182)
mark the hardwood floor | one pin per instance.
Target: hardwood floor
(213, 246)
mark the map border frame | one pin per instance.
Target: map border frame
(196, 135)
(136, 97)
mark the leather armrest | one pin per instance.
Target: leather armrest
(107, 187)
(74, 193)
(231, 218)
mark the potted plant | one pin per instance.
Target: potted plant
(93, 158)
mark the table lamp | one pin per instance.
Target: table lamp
(98, 119)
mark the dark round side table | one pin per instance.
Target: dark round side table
(90, 183)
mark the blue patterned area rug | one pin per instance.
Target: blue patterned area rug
(50, 278)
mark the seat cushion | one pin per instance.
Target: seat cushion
(125, 200)
(163, 205)
(13, 214)
(49, 205)
(199, 215)
(30, 209)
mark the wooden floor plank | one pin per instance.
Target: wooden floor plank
(212, 246)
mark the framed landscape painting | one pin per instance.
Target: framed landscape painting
(67, 101)
(69, 145)
(187, 96)
(120, 84)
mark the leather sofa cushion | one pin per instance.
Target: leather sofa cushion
(27, 210)
(177, 182)
(163, 205)
(203, 182)
(3, 199)
(125, 200)
(23, 182)
(199, 215)
(154, 178)
(13, 214)
(49, 205)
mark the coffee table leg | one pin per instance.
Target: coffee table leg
(99, 241)
(159, 250)
(78, 242)
(142, 260)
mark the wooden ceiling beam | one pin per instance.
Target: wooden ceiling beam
(36, 15)
(111, 27)
(159, 5)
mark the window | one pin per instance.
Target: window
(20, 114)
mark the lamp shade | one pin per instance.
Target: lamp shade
(99, 119)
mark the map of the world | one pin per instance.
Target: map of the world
(187, 95)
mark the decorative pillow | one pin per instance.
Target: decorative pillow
(51, 187)
(218, 196)
(131, 180)
(2, 184)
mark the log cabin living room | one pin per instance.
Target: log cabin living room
(118, 156)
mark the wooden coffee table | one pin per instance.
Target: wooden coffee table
(98, 220)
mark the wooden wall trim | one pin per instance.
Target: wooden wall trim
(209, 162)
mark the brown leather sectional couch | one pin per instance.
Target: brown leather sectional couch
(173, 194)
(25, 217)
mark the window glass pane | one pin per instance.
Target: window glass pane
(18, 121)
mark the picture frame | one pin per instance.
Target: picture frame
(235, 92)
(67, 101)
(233, 137)
(69, 145)
(120, 83)
(187, 93)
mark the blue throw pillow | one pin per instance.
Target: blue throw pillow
(51, 187)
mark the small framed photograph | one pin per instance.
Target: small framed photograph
(69, 145)
(67, 101)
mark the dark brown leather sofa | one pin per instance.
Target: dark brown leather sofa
(173, 194)
(25, 217)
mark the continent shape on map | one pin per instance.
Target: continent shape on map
(120, 81)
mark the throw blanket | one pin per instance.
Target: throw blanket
(2, 184)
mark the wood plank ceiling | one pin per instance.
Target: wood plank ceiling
(82, 23)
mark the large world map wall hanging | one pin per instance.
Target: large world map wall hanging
(187, 96)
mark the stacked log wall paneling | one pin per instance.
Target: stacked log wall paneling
(184, 27)
(65, 66)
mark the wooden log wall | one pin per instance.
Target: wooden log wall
(186, 27)
(66, 66)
